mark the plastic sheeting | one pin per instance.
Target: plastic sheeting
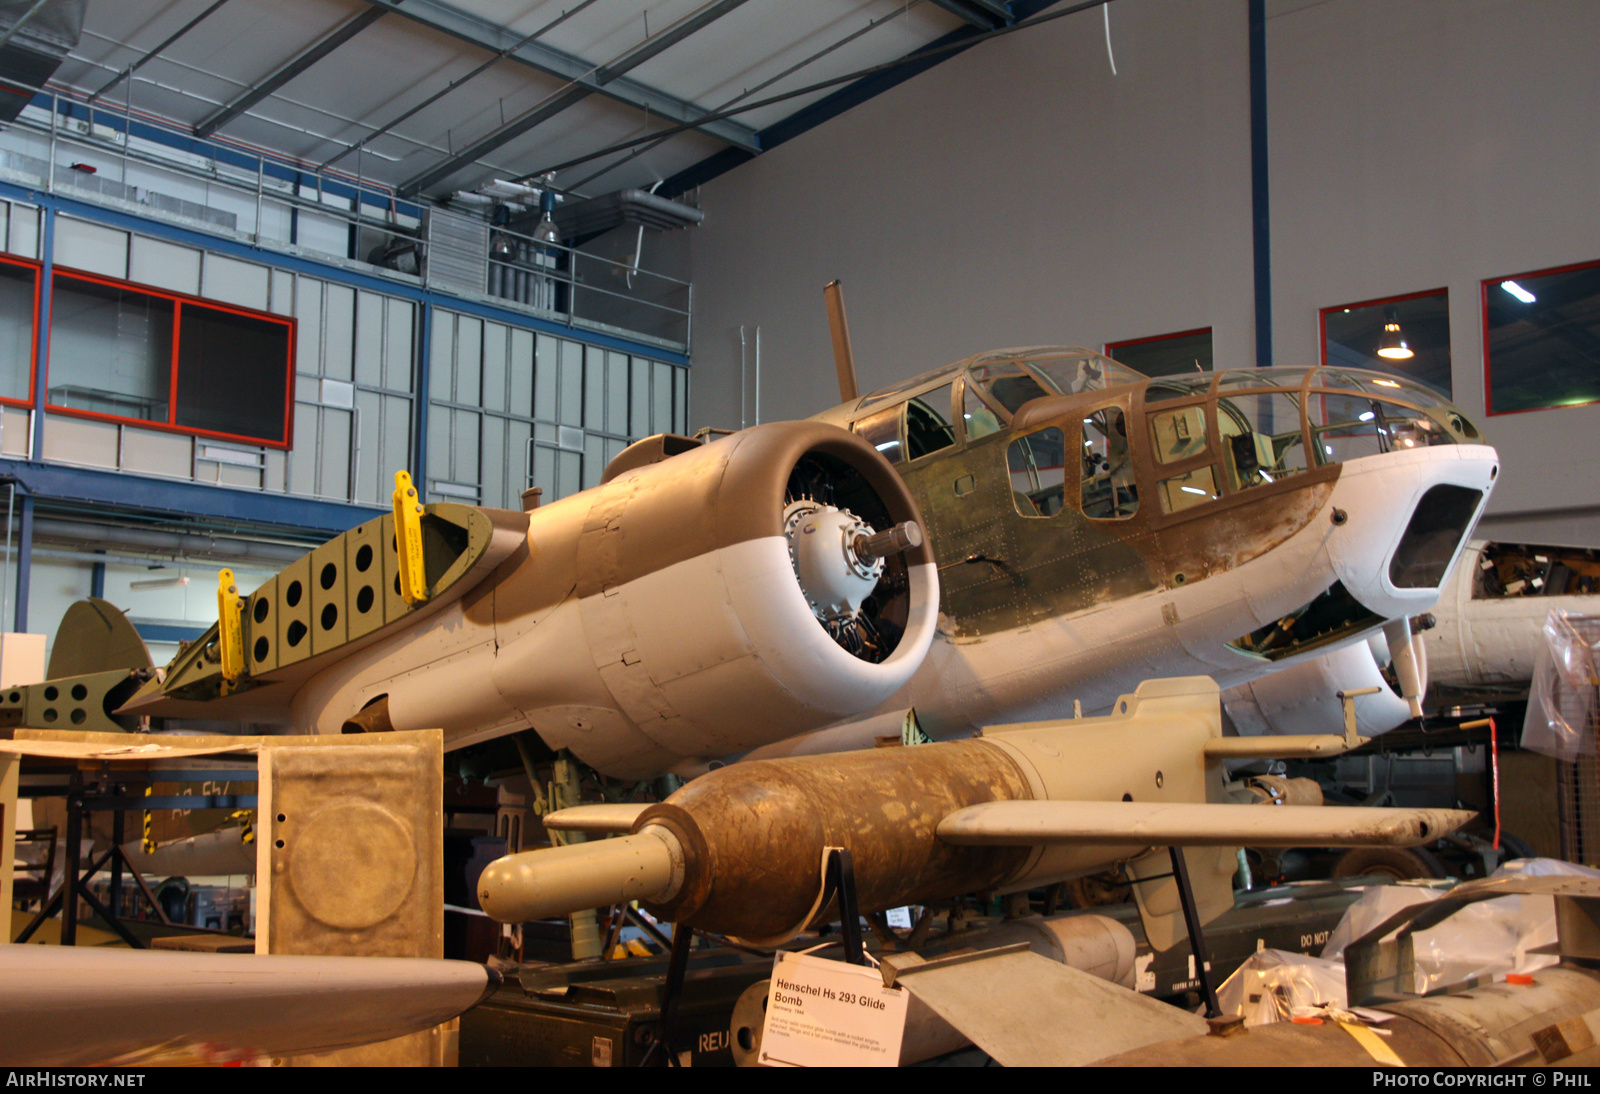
(1562, 701)
(1485, 940)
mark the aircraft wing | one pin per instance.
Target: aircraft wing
(1017, 823)
(66, 1006)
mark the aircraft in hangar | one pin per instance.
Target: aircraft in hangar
(771, 591)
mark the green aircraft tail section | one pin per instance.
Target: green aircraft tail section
(95, 636)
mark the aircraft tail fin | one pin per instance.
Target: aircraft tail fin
(95, 636)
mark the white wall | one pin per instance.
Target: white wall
(1021, 194)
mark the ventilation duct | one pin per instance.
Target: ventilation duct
(592, 216)
(36, 49)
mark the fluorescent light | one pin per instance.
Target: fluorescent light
(1266, 476)
(159, 583)
(1386, 383)
(1368, 416)
(1194, 490)
(1518, 291)
(887, 445)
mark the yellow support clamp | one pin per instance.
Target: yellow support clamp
(230, 626)
(408, 539)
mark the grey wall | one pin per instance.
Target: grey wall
(1022, 194)
(1017, 194)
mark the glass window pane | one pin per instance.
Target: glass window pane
(928, 427)
(110, 350)
(1542, 332)
(1166, 354)
(980, 420)
(1261, 438)
(1183, 491)
(233, 373)
(1037, 464)
(1408, 337)
(1109, 491)
(16, 329)
(882, 431)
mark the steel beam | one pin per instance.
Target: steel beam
(288, 71)
(607, 80)
(135, 66)
(983, 14)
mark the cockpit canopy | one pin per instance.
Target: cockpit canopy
(1178, 441)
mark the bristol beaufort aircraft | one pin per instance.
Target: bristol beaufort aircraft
(777, 591)
(1086, 528)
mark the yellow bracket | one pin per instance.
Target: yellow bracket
(408, 539)
(230, 626)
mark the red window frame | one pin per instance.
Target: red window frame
(33, 344)
(1110, 348)
(179, 301)
(1483, 314)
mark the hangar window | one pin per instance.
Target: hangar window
(19, 299)
(121, 352)
(1165, 354)
(1541, 338)
(1402, 335)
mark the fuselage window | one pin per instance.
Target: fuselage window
(928, 427)
(1037, 464)
(1182, 491)
(980, 420)
(1109, 490)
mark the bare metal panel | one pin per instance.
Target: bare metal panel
(14, 431)
(82, 441)
(369, 339)
(495, 339)
(1018, 1007)
(494, 461)
(351, 861)
(338, 331)
(164, 265)
(282, 294)
(398, 342)
(22, 230)
(234, 282)
(80, 245)
(469, 361)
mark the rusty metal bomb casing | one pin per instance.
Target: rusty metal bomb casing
(753, 834)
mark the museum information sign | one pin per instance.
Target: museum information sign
(823, 1013)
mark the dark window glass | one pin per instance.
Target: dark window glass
(928, 427)
(1037, 464)
(1408, 336)
(1167, 354)
(232, 373)
(16, 329)
(1542, 339)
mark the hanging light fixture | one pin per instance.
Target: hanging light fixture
(1392, 345)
